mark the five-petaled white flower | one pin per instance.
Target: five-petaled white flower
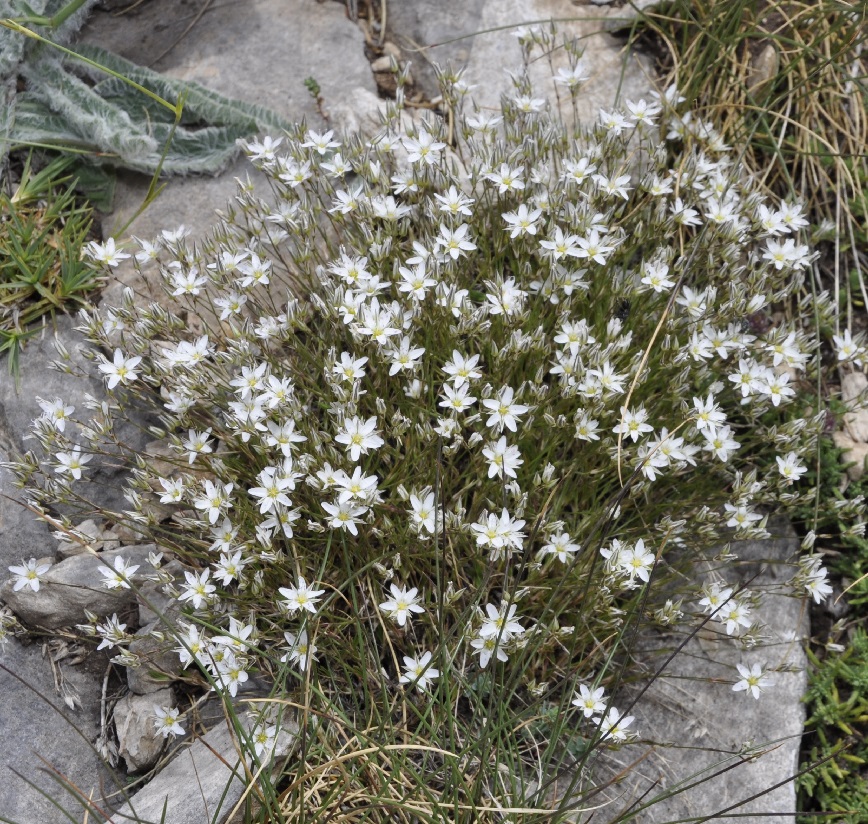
(198, 590)
(56, 412)
(504, 411)
(753, 680)
(589, 701)
(790, 467)
(121, 370)
(359, 436)
(119, 576)
(301, 650)
(72, 462)
(166, 721)
(403, 602)
(27, 575)
(419, 671)
(301, 596)
(106, 253)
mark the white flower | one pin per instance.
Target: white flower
(714, 597)
(572, 77)
(301, 596)
(486, 647)
(720, 442)
(614, 724)
(589, 701)
(349, 368)
(166, 721)
(198, 590)
(614, 122)
(403, 603)
(359, 436)
(457, 398)
(752, 680)
(320, 143)
(454, 242)
(561, 546)
(72, 462)
(230, 672)
(419, 671)
(197, 444)
(230, 567)
(708, 414)
(111, 632)
(301, 651)
(345, 515)
(637, 561)
(655, 276)
(507, 179)
(462, 369)
(561, 245)
(255, 271)
(816, 584)
(740, 516)
(790, 467)
(215, 500)
(734, 614)
(405, 356)
(455, 202)
(56, 412)
(273, 490)
(264, 739)
(174, 490)
(522, 221)
(423, 148)
(193, 646)
(633, 423)
(643, 112)
(503, 460)
(586, 426)
(848, 349)
(504, 412)
(27, 575)
(416, 281)
(423, 512)
(120, 370)
(500, 623)
(358, 486)
(105, 253)
(119, 577)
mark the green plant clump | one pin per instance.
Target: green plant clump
(465, 406)
(43, 228)
(838, 701)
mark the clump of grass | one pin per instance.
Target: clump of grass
(786, 83)
(43, 228)
(467, 408)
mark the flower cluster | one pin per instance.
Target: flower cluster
(428, 379)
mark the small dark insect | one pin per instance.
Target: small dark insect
(623, 311)
(757, 324)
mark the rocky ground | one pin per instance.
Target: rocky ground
(64, 705)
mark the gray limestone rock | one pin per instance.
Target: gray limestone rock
(691, 723)
(478, 35)
(260, 51)
(153, 601)
(202, 782)
(139, 743)
(74, 585)
(19, 405)
(159, 662)
(36, 725)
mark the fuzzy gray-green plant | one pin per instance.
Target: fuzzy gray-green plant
(70, 104)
